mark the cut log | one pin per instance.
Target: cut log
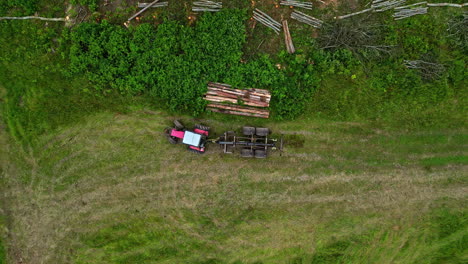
(232, 112)
(287, 38)
(239, 108)
(160, 4)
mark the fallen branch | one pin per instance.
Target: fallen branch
(34, 17)
(353, 14)
(143, 10)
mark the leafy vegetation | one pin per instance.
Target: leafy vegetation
(2, 253)
(19, 7)
(91, 4)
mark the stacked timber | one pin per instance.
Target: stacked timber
(309, 20)
(161, 4)
(295, 3)
(384, 5)
(266, 20)
(410, 10)
(238, 110)
(206, 6)
(252, 100)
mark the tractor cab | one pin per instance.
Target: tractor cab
(195, 139)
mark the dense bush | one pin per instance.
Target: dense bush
(173, 63)
(18, 7)
(91, 4)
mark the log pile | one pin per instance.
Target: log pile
(266, 20)
(287, 38)
(219, 94)
(410, 10)
(160, 4)
(305, 5)
(206, 6)
(384, 5)
(309, 20)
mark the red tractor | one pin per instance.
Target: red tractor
(254, 141)
(196, 139)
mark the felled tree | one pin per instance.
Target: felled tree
(359, 36)
(428, 70)
(458, 30)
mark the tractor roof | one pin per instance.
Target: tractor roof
(191, 138)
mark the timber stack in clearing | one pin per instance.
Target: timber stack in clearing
(249, 102)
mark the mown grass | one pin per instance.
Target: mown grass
(112, 190)
(2, 252)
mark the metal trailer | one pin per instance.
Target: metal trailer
(254, 142)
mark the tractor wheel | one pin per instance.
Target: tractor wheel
(248, 131)
(178, 125)
(205, 128)
(172, 140)
(262, 132)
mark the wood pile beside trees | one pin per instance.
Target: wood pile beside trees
(248, 102)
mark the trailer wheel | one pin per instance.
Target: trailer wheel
(262, 132)
(247, 153)
(248, 131)
(178, 125)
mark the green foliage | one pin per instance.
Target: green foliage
(449, 233)
(100, 50)
(39, 96)
(173, 66)
(91, 4)
(18, 7)
(142, 240)
(2, 253)
(417, 36)
(299, 79)
(332, 253)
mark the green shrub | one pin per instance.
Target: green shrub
(18, 7)
(91, 4)
(173, 66)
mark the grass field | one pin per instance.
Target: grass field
(110, 189)
(89, 178)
